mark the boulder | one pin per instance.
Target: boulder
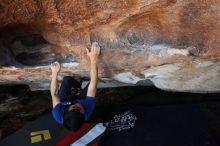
(171, 44)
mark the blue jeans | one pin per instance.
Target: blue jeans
(68, 85)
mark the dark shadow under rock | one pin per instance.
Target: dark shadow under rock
(31, 105)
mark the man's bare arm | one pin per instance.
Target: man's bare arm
(93, 82)
(93, 55)
(55, 67)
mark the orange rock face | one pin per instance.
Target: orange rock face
(175, 44)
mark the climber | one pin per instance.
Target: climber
(72, 106)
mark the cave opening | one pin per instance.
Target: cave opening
(30, 50)
(21, 46)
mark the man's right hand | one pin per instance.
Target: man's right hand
(93, 55)
(55, 68)
(94, 52)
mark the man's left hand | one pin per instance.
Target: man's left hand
(55, 68)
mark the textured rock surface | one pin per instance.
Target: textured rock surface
(173, 43)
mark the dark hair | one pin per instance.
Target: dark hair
(73, 120)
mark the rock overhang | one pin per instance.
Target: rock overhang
(173, 44)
